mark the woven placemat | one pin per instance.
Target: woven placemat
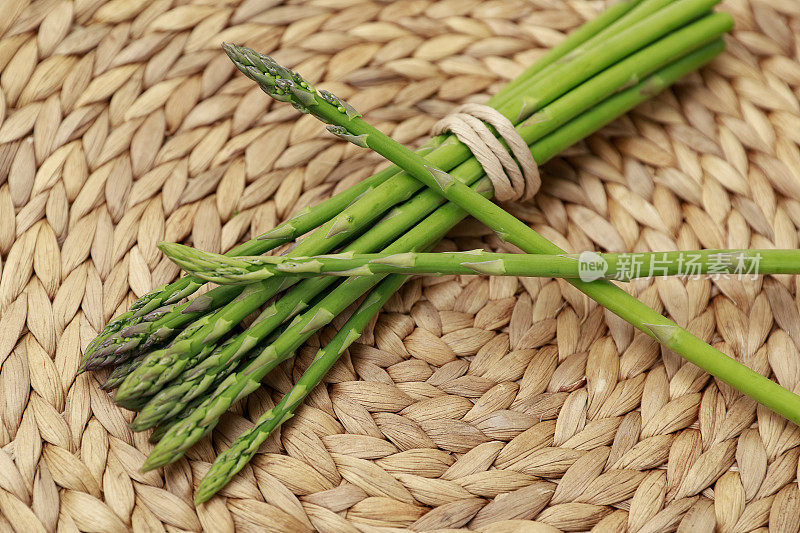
(473, 402)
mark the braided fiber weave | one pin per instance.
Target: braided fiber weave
(472, 402)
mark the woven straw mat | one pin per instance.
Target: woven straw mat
(472, 402)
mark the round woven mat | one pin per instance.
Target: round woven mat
(472, 401)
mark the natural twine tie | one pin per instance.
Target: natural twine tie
(512, 180)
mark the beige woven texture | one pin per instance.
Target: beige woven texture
(473, 402)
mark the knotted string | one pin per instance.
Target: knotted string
(512, 179)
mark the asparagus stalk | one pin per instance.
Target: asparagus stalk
(633, 34)
(165, 367)
(512, 230)
(587, 265)
(229, 462)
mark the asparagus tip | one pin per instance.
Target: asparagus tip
(203, 497)
(225, 466)
(158, 458)
(148, 417)
(137, 427)
(175, 251)
(146, 466)
(127, 390)
(165, 245)
(234, 52)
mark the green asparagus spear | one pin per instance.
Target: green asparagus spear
(619, 266)
(229, 462)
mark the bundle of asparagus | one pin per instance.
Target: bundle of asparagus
(182, 365)
(120, 341)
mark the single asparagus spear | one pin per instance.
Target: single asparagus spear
(587, 265)
(512, 230)
(444, 156)
(229, 462)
